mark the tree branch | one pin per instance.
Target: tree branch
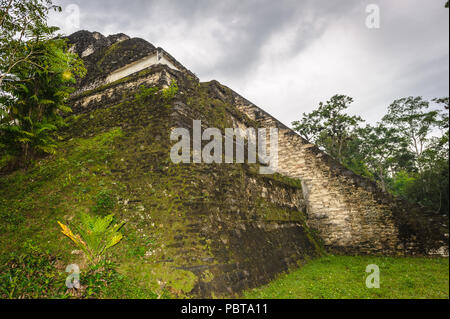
(6, 12)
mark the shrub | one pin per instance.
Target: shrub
(95, 235)
(171, 91)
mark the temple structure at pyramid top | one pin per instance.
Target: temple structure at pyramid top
(117, 56)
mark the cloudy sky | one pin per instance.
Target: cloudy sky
(286, 56)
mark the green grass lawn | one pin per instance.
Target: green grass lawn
(343, 277)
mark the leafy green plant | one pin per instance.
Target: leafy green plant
(145, 92)
(171, 91)
(95, 235)
(37, 73)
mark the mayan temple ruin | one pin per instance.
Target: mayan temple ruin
(230, 226)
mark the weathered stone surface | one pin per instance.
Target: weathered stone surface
(351, 213)
(104, 55)
(238, 229)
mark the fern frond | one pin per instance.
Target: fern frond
(95, 234)
(75, 238)
(46, 102)
(64, 108)
(114, 240)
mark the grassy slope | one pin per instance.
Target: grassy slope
(344, 277)
(54, 189)
(78, 178)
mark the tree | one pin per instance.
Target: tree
(385, 152)
(402, 183)
(443, 121)
(429, 188)
(329, 127)
(36, 85)
(37, 101)
(410, 116)
(403, 153)
(23, 25)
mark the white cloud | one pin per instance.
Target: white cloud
(288, 56)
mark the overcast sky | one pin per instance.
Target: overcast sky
(287, 56)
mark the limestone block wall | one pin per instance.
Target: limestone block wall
(109, 94)
(231, 227)
(351, 213)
